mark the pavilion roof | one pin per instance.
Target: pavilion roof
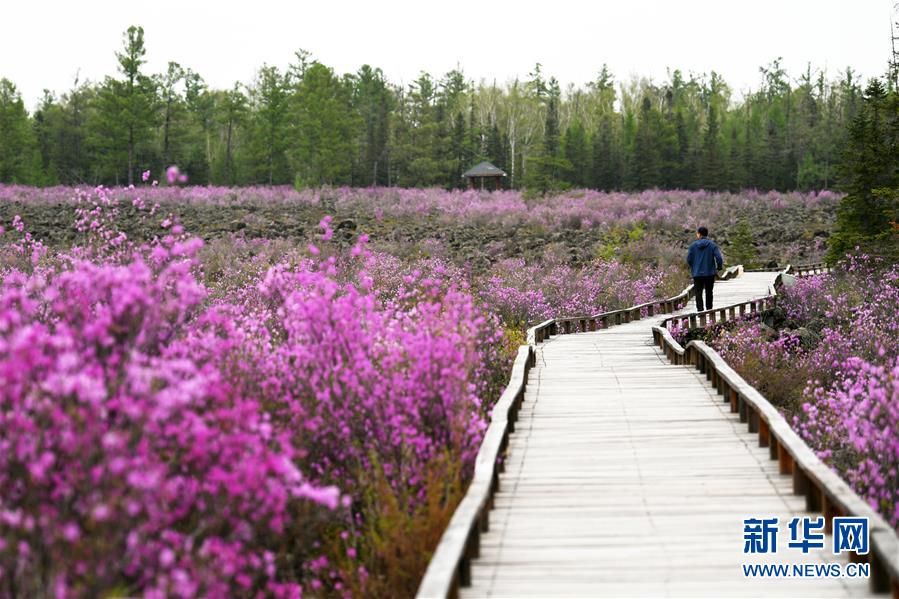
(484, 169)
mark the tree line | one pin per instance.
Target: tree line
(868, 215)
(306, 125)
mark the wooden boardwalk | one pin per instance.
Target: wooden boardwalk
(628, 476)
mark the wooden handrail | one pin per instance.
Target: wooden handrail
(815, 268)
(730, 312)
(742, 309)
(573, 324)
(808, 268)
(823, 489)
(450, 566)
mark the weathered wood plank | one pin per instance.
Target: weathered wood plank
(629, 476)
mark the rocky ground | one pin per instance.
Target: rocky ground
(778, 236)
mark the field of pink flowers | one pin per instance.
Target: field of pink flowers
(574, 209)
(249, 415)
(298, 414)
(783, 226)
(828, 356)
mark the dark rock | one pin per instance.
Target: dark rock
(774, 317)
(347, 224)
(808, 339)
(769, 333)
(816, 325)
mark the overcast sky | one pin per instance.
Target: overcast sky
(44, 43)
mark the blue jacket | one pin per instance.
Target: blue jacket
(704, 258)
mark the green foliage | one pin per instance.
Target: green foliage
(742, 249)
(393, 542)
(125, 113)
(311, 125)
(373, 101)
(17, 145)
(577, 154)
(549, 169)
(420, 135)
(322, 152)
(269, 134)
(232, 114)
(866, 215)
(618, 238)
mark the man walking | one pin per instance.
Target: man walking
(705, 260)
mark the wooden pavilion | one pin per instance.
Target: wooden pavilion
(484, 171)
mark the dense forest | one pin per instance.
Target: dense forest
(307, 125)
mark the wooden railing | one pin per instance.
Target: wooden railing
(811, 268)
(742, 309)
(450, 566)
(566, 325)
(730, 312)
(823, 489)
(816, 268)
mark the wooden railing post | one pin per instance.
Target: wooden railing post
(800, 481)
(764, 434)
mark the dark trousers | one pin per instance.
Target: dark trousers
(703, 285)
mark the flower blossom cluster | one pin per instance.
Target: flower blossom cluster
(833, 367)
(162, 438)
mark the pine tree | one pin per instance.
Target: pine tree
(324, 126)
(646, 158)
(497, 151)
(684, 163)
(47, 126)
(870, 174)
(120, 129)
(17, 147)
(549, 164)
(269, 99)
(172, 107)
(712, 165)
(606, 162)
(373, 102)
(735, 165)
(231, 114)
(577, 154)
(200, 105)
(135, 95)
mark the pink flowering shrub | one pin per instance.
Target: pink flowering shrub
(779, 368)
(123, 464)
(392, 381)
(162, 439)
(25, 252)
(525, 294)
(854, 425)
(833, 369)
(675, 213)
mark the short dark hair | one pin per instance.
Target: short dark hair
(703, 231)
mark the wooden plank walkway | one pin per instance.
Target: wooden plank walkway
(628, 476)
